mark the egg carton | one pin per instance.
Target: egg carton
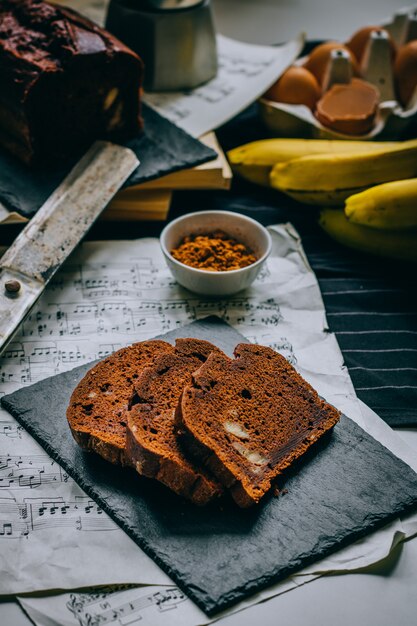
(393, 121)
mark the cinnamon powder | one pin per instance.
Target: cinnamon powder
(215, 252)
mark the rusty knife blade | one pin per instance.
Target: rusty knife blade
(56, 229)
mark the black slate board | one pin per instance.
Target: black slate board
(162, 148)
(219, 556)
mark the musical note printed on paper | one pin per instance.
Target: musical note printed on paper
(126, 607)
(123, 605)
(29, 471)
(32, 514)
(9, 429)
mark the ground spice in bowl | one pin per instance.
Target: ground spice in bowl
(214, 252)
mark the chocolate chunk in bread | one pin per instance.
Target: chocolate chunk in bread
(64, 82)
(151, 444)
(96, 412)
(249, 418)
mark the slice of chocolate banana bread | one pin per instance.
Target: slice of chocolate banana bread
(96, 412)
(64, 82)
(151, 444)
(249, 418)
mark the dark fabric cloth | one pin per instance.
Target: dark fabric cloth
(375, 322)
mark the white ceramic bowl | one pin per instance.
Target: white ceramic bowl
(204, 282)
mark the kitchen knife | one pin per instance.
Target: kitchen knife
(56, 229)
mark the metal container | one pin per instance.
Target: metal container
(175, 38)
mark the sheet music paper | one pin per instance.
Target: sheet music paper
(143, 606)
(108, 295)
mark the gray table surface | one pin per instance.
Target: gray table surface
(272, 21)
(387, 594)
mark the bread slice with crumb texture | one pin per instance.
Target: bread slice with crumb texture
(96, 412)
(249, 418)
(151, 444)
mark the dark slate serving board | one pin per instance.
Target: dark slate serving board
(220, 555)
(162, 148)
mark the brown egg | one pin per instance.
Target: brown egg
(357, 43)
(405, 72)
(319, 58)
(296, 86)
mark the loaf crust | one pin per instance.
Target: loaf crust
(96, 412)
(249, 418)
(64, 82)
(151, 444)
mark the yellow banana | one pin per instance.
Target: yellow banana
(255, 160)
(391, 206)
(330, 179)
(331, 197)
(390, 244)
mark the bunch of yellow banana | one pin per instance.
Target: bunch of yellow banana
(376, 181)
(324, 172)
(255, 161)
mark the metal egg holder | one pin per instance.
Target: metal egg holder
(393, 120)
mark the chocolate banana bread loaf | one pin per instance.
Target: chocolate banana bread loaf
(64, 82)
(151, 444)
(96, 412)
(249, 418)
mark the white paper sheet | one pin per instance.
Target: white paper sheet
(108, 295)
(141, 606)
(245, 73)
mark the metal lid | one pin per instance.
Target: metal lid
(168, 5)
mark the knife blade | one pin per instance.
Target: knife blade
(58, 226)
